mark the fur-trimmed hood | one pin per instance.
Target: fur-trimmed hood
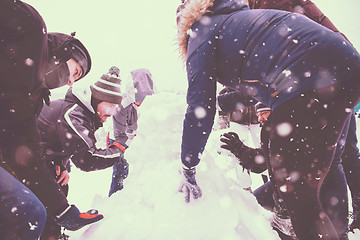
(193, 10)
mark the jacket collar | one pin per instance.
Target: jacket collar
(194, 10)
(82, 94)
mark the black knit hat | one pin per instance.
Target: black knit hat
(62, 47)
(108, 87)
(261, 107)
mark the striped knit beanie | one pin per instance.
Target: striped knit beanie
(108, 87)
(261, 107)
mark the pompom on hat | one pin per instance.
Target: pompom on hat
(108, 87)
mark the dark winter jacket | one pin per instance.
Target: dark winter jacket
(23, 52)
(228, 101)
(67, 130)
(308, 8)
(269, 55)
(23, 56)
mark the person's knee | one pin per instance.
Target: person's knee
(36, 215)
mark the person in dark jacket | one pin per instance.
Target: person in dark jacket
(26, 74)
(125, 121)
(303, 71)
(67, 132)
(347, 156)
(254, 160)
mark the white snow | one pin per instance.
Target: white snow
(150, 206)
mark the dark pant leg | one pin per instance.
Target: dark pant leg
(51, 229)
(351, 163)
(304, 133)
(264, 196)
(22, 215)
(21, 157)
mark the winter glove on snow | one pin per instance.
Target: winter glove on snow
(236, 147)
(72, 219)
(232, 143)
(189, 184)
(120, 172)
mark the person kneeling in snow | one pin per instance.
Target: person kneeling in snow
(254, 160)
(125, 122)
(67, 128)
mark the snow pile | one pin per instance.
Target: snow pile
(150, 206)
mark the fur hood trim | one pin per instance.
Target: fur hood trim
(192, 12)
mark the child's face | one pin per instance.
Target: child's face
(105, 110)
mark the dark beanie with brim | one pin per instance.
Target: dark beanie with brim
(107, 88)
(261, 107)
(63, 47)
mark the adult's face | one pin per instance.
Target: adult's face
(263, 116)
(74, 70)
(105, 110)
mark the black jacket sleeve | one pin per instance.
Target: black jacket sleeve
(253, 159)
(78, 139)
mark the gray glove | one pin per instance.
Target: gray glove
(189, 185)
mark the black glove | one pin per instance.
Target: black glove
(232, 143)
(245, 155)
(73, 220)
(120, 172)
(190, 185)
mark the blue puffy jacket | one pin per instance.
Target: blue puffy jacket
(268, 55)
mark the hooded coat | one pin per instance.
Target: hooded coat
(23, 58)
(268, 55)
(67, 127)
(126, 115)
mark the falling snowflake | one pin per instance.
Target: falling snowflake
(284, 129)
(242, 51)
(205, 20)
(259, 159)
(69, 135)
(200, 112)
(287, 72)
(348, 110)
(32, 227)
(307, 74)
(283, 188)
(295, 41)
(14, 209)
(29, 62)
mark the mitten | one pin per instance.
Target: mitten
(73, 220)
(232, 143)
(120, 172)
(189, 185)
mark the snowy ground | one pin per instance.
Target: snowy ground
(150, 207)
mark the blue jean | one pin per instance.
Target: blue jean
(22, 215)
